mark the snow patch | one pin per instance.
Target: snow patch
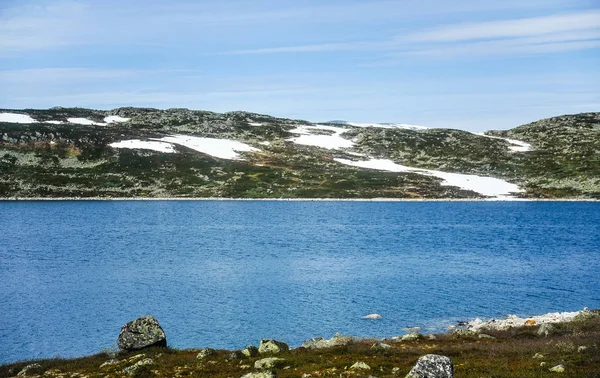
(255, 124)
(145, 145)
(16, 118)
(517, 145)
(388, 125)
(308, 138)
(54, 122)
(220, 148)
(115, 118)
(85, 121)
(487, 186)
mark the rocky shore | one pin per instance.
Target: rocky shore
(553, 344)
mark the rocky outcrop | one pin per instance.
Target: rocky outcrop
(269, 363)
(272, 346)
(432, 366)
(321, 343)
(141, 333)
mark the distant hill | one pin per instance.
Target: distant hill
(144, 152)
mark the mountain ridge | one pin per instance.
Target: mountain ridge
(78, 152)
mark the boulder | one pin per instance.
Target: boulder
(141, 333)
(272, 346)
(269, 363)
(432, 366)
(206, 352)
(557, 369)
(411, 337)
(321, 343)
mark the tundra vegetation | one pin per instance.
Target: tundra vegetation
(50, 160)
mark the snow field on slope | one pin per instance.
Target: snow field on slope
(487, 186)
(307, 138)
(16, 118)
(145, 145)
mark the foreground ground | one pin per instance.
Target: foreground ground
(518, 352)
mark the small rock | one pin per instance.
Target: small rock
(30, 370)
(360, 366)
(206, 352)
(272, 346)
(321, 343)
(264, 374)
(485, 336)
(557, 369)
(395, 371)
(131, 370)
(269, 363)
(379, 346)
(235, 355)
(109, 363)
(529, 322)
(538, 356)
(543, 363)
(432, 366)
(581, 348)
(136, 357)
(372, 316)
(545, 329)
(411, 337)
(464, 332)
(250, 351)
(141, 333)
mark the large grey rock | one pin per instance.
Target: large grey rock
(432, 366)
(141, 333)
(272, 346)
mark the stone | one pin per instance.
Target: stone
(272, 346)
(485, 336)
(432, 366)
(206, 352)
(545, 329)
(32, 369)
(538, 356)
(379, 346)
(529, 322)
(581, 348)
(250, 351)
(141, 333)
(411, 337)
(360, 366)
(109, 363)
(235, 355)
(133, 369)
(270, 363)
(264, 374)
(321, 343)
(557, 369)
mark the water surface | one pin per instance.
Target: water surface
(227, 273)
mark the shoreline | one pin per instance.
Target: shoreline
(23, 199)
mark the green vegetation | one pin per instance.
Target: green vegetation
(501, 354)
(70, 160)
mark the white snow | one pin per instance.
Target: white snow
(388, 125)
(145, 145)
(265, 143)
(85, 121)
(220, 148)
(255, 123)
(487, 186)
(334, 141)
(110, 119)
(16, 118)
(54, 122)
(517, 145)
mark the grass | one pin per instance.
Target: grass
(508, 354)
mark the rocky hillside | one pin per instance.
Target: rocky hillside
(142, 152)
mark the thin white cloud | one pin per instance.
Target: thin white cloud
(523, 27)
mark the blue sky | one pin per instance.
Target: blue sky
(467, 64)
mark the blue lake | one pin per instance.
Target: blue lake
(225, 274)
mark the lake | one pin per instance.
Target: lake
(225, 274)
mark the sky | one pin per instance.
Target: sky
(467, 64)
